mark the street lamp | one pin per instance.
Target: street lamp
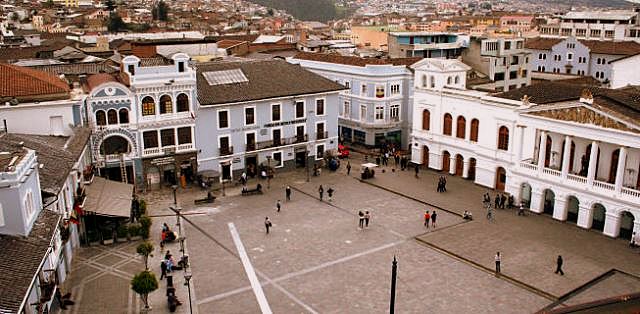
(187, 278)
(175, 199)
(394, 274)
(181, 239)
(177, 210)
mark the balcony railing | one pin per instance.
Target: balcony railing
(186, 146)
(151, 151)
(322, 135)
(529, 166)
(604, 185)
(250, 147)
(552, 172)
(576, 178)
(224, 151)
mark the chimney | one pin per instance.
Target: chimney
(303, 37)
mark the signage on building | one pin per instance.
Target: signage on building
(269, 125)
(163, 161)
(236, 160)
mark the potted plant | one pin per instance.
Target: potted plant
(134, 232)
(107, 236)
(144, 283)
(122, 233)
(145, 222)
(145, 249)
(143, 207)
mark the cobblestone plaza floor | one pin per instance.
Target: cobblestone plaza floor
(316, 260)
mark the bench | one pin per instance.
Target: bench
(207, 200)
(257, 190)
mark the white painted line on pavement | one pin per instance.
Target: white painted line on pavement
(251, 273)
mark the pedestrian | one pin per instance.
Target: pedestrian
(444, 184)
(559, 265)
(330, 193)
(278, 206)
(633, 242)
(503, 200)
(267, 224)
(417, 170)
(163, 269)
(320, 191)
(427, 217)
(348, 168)
(433, 219)
(397, 158)
(287, 192)
(521, 209)
(367, 216)
(360, 219)
(498, 260)
(496, 201)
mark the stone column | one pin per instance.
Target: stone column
(566, 156)
(542, 151)
(452, 165)
(465, 171)
(536, 201)
(611, 224)
(622, 163)
(636, 229)
(593, 161)
(585, 215)
(519, 143)
(560, 211)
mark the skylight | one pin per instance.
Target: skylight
(225, 77)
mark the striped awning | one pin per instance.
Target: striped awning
(109, 198)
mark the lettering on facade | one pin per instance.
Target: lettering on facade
(249, 128)
(236, 160)
(162, 161)
(270, 125)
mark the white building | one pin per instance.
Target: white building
(596, 25)
(536, 143)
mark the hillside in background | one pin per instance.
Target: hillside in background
(307, 10)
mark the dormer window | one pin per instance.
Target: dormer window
(132, 69)
(180, 67)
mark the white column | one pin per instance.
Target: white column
(536, 201)
(622, 163)
(465, 171)
(566, 156)
(452, 165)
(520, 143)
(542, 151)
(585, 216)
(593, 161)
(560, 211)
(175, 137)
(636, 229)
(611, 224)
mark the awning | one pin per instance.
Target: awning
(109, 198)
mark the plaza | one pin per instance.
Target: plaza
(316, 260)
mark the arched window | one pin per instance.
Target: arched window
(182, 102)
(503, 138)
(166, 105)
(112, 116)
(457, 79)
(449, 80)
(123, 114)
(424, 81)
(446, 130)
(148, 106)
(474, 130)
(426, 119)
(461, 127)
(433, 81)
(101, 118)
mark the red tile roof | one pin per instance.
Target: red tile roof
(226, 43)
(624, 48)
(355, 61)
(540, 43)
(21, 82)
(97, 79)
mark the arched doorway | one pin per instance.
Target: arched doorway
(626, 225)
(446, 161)
(614, 165)
(501, 179)
(425, 156)
(549, 200)
(114, 145)
(547, 151)
(525, 195)
(573, 207)
(598, 217)
(459, 165)
(472, 169)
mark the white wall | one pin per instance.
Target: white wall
(625, 72)
(36, 118)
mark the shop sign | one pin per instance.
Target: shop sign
(162, 161)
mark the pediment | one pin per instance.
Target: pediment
(110, 91)
(584, 115)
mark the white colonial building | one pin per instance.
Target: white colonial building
(535, 143)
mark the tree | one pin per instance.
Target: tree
(146, 222)
(115, 23)
(143, 284)
(161, 11)
(145, 249)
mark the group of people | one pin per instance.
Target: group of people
(500, 201)
(167, 235)
(442, 184)
(329, 193)
(168, 264)
(399, 160)
(363, 219)
(430, 217)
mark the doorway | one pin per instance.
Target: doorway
(459, 165)
(446, 161)
(226, 171)
(251, 165)
(301, 159)
(501, 179)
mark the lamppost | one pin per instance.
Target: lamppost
(181, 239)
(306, 159)
(187, 279)
(177, 210)
(268, 170)
(175, 199)
(394, 274)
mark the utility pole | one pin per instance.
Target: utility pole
(394, 274)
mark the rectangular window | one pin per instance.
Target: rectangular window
(180, 67)
(514, 60)
(300, 136)
(595, 33)
(225, 147)
(394, 112)
(608, 34)
(275, 112)
(581, 32)
(395, 89)
(277, 159)
(363, 112)
(519, 44)
(276, 135)
(249, 116)
(379, 91)
(299, 109)
(507, 45)
(320, 132)
(513, 74)
(498, 77)
(347, 84)
(148, 108)
(363, 90)
(319, 152)
(379, 112)
(223, 119)
(184, 135)
(132, 69)
(569, 56)
(346, 109)
(251, 141)
(320, 107)
(150, 139)
(167, 137)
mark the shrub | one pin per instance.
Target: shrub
(134, 230)
(145, 230)
(145, 249)
(144, 283)
(122, 231)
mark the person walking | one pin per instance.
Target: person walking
(503, 200)
(360, 220)
(267, 224)
(417, 169)
(278, 206)
(559, 262)
(496, 202)
(287, 192)
(163, 269)
(433, 219)
(330, 193)
(320, 191)
(498, 259)
(427, 217)
(348, 168)
(367, 216)
(444, 184)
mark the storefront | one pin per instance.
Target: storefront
(178, 169)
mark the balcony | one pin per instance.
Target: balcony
(225, 151)
(301, 138)
(322, 135)
(250, 147)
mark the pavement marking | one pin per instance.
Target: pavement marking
(255, 283)
(301, 272)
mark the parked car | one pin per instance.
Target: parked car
(343, 151)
